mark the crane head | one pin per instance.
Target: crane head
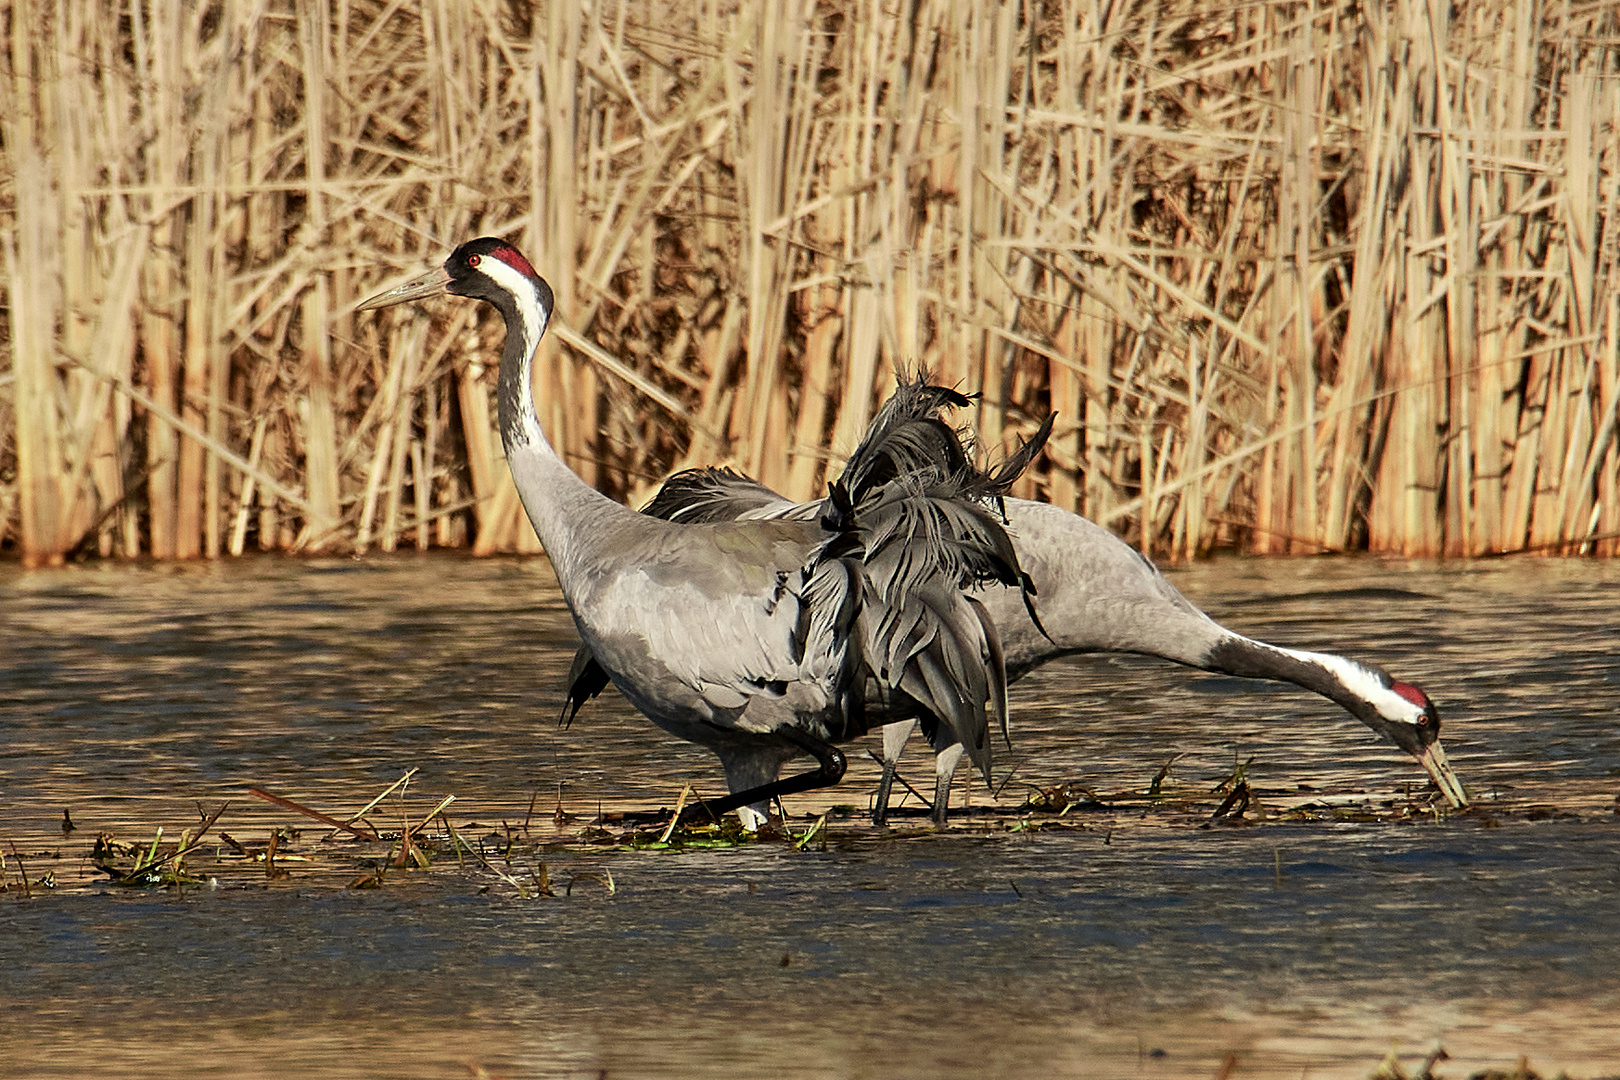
(487, 268)
(1406, 716)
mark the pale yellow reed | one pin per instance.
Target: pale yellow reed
(1295, 277)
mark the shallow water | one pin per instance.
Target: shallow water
(1136, 946)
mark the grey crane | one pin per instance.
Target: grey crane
(757, 638)
(1094, 594)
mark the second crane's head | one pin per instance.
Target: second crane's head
(1401, 713)
(489, 269)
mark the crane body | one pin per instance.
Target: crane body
(756, 638)
(1093, 593)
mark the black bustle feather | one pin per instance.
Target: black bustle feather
(922, 521)
(585, 681)
(695, 496)
(911, 478)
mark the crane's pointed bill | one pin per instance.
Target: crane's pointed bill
(1433, 760)
(432, 283)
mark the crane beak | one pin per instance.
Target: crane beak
(432, 283)
(1433, 760)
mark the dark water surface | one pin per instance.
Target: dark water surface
(1135, 947)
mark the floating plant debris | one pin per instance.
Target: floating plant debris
(390, 836)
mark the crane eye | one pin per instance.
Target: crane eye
(474, 260)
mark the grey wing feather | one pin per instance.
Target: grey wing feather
(946, 672)
(997, 667)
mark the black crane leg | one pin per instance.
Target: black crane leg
(880, 807)
(829, 770)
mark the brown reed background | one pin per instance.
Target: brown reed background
(1295, 276)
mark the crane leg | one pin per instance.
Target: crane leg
(894, 741)
(828, 771)
(944, 772)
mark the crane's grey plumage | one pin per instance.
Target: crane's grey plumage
(1094, 593)
(757, 638)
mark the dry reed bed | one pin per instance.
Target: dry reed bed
(1295, 277)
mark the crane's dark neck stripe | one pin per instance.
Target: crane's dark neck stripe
(525, 303)
(1251, 660)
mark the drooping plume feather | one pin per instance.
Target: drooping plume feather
(917, 516)
(911, 523)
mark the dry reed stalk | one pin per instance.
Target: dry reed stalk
(324, 819)
(389, 404)
(403, 421)
(1605, 458)
(1293, 276)
(245, 500)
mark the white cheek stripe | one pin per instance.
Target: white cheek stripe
(533, 316)
(1365, 683)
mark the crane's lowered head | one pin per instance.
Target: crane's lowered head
(1403, 714)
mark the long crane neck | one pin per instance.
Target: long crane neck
(514, 399)
(1096, 594)
(568, 514)
(1334, 677)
